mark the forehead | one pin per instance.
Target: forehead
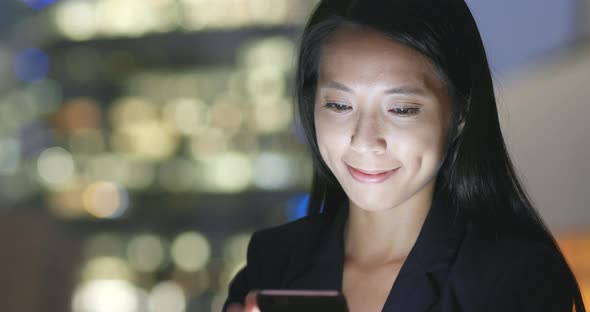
(362, 55)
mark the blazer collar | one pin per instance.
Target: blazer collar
(318, 261)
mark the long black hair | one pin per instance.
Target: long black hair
(477, 177)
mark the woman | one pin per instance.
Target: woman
(415, 205)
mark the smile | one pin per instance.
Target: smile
(372, 177)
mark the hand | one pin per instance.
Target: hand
(251, 305)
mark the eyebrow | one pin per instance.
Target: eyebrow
(403, 89)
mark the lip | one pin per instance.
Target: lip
(371, 177)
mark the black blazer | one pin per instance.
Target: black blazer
(453, 266)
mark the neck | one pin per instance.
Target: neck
(386, 236)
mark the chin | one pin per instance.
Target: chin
(373, 204)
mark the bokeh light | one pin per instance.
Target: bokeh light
(107, 268)
(271, 116)
(55, 166)
(31, 65)
(276, 52)
(149, 140)
(105, 200)
(66, 203)
(130, 173)
(274, 171)
(226, 113)
(191, 251)
(78, 114)
(76, 19)
(209, 143)
(265, 83)
(228, 172)
(39, 4)
(167, 296)
(105, 296)
(146, 252)
(187, 115)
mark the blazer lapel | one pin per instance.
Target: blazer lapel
(423, 276)
(317, 261)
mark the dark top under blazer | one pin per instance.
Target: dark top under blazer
(453, 266)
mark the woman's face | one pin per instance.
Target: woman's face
(381, 117)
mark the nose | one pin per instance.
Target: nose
(368, 136)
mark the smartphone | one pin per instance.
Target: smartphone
(286, 300)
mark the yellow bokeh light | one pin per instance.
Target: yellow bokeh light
(105, 200)
(228, 172)
(226, 114)
(109, 268)
(167, 296)
(208, 143)
(130, 173)
(187, 115)
(191, 251)
(277, 52)
(265, 83)
(76, 19)
(130, 110)
(55, 165)
(149, 140)
(146, 252)
(127, 18)
(66, 203)
(271, 116)
(105, 296)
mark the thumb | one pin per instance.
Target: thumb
(251, 304)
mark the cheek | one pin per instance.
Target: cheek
(332, 139)
(422, 146)
(323, 137)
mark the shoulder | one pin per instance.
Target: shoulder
(534, 278)
(515, 274)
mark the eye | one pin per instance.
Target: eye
(340, 108)
(405, 111)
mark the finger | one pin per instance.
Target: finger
(235, 307)
(251, 304)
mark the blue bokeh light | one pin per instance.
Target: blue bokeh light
(297, 206)
(31, 65)
(39, 4)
